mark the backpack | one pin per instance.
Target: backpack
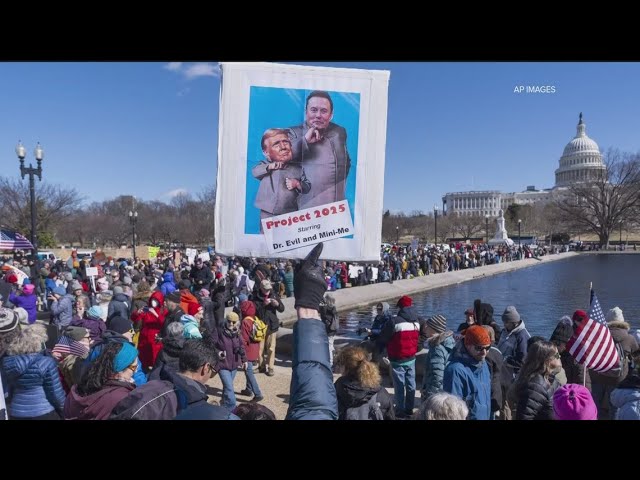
(621, 370)
(366, 411)
(258, 331)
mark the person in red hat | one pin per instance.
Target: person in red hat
(400, 335)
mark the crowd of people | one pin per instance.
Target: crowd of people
(140, 341)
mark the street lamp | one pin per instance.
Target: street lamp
(397, 234)
(39, 154)
(133, 219)
(519, 224)
(486, 226)
(435, 217)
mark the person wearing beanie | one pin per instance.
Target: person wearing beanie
(8, 320)
(268, 304)
(574, 371)
(61, 307)
(513, 343)
(186, 297)
(603, 383)
(191, 326)
(467, 375)
(174, 310)
(251, 349)
(470, 319)
(400, 335)
(440, 342)
(119, 306)
(228, 340)
(27, 300)
(108, 381)
(536, 382)
(201, 276)
(574, 402)
(91, 320)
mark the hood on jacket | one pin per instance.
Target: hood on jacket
(385, 308)
(172, 346)
(408, 313)
(352, 394)
(168, 277)
(188, 391)
(441, 338)
(158, 297)
(619, 325)
(81, 405)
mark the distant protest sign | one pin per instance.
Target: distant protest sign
(301, 161)
(153, 252)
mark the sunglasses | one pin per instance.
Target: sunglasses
(482, 349)
(556, 355)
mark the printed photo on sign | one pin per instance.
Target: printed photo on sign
(302, 151)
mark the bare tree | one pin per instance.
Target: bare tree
(54, 204)
(607, 200)
(466, 226)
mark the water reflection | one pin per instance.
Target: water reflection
(542, 294)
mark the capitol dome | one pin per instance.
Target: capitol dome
(581, 159)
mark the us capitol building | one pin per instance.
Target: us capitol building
(580, 161)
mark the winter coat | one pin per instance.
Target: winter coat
(573, 370)
(201, 278)
(400, 335)
(32, 385)
(168, 285)
(151, 326)
(268, 313)
(62, 311)
(171, 317)
(28, 302)
(97, 405)
(209, 320)
(535, 398)
(251, 349)
(230, 343)
(494, 361)
(140, 300)
(169, 356)
(155, 400)
(330, 319)
(313, 395)
(469, 380)
(288, 283)
(351, 394)
(440, 348)
(119, 306)
(626, 398)
(513, 346)
(621, 336)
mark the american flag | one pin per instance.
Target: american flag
(591, 343)
(10, 240)
(69, 346)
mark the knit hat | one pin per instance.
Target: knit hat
(510, 315)
(22, 314)
(95, 313)
(232, 317)
(563, 330)
(469, 311)
(173, 296)
(476, 335)
(28, 289)
(118, 290)
(615, 315)
(193, 308)
(183, 284)
(438, 323)
(119, 324)
(204, 292)
(580, 316)
(125, 357)
(404, 302)
(126, 280)
(60, 291)
(243, 297)
(75, 285)
(12, 278)
(75, 333)
(247, 309)
(574, 402)
(266, 285)
(8, 320)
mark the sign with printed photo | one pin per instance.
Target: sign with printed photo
(301, 160)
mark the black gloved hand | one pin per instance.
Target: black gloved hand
(308, 281)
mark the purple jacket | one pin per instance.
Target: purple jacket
(232, 346)
(96, 327)
(28, 302)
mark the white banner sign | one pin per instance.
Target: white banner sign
(92, 271)
(307, 227)
(293, 141)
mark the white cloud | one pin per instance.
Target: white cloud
(196, 70)
(174, 193)
(173, 66)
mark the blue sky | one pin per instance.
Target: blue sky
(150, 129)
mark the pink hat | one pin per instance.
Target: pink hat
(574, 402)
(28, 289)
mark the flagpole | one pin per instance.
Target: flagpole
(584, 377)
